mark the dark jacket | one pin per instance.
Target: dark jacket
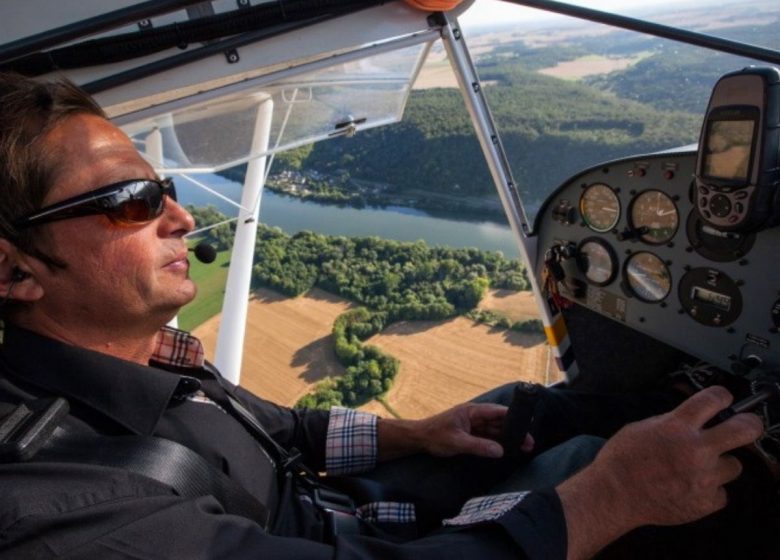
(86, 511)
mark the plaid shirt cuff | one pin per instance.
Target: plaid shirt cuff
(350, 446)
(178, 348)
(486, 508)
(387, 512)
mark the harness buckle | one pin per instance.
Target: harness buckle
(29, 427)
(339, 512)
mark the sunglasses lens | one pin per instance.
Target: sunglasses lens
(136, 203)
(134, 211)
(127, 202)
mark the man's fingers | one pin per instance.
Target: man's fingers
(704, 405)
(480, 447)
(729, 468)
(741, 429)
(487, 412)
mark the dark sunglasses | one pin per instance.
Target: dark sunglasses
(127, 202)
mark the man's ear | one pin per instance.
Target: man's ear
(17, 280)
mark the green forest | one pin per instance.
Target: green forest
(434, 148)
(391, 280)
(656, 103)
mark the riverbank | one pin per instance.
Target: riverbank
(343, 190)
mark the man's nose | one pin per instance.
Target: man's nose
(176, 215)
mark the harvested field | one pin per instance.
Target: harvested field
(444, 363)
(288, 346)
(588, 66)
(289, 349)
(436, 75)
(518, 306)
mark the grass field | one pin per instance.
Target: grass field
(210, 279)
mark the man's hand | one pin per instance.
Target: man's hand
(665, 470)
(469, 428)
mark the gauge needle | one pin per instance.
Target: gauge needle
(664, 213)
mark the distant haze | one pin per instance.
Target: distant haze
(485, 12)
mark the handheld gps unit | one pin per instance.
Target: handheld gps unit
(738, 164)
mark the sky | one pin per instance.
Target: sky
(486, 11)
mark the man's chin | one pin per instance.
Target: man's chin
(187, 292)
(184, 295)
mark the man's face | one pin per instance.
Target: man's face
(117, 276)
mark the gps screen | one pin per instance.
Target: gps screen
(727, 149)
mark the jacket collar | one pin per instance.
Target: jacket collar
(133, 395)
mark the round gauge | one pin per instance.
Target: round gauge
(648, 277)
(600, 207)
(710, 297)
(654, 214)
(597, 261)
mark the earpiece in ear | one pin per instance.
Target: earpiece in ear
(17, 275)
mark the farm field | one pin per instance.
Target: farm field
(287, 347)
(448, 362)
(288, 350)
(518, 306)
(588, 66)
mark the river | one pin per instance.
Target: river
(402, 224)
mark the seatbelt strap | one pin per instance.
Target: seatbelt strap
(337, 507)
(163, 460)
(289, 461)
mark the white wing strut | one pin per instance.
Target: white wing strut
(230, 341)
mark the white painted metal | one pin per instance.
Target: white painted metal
(230, 340)
(321, 41)
(493, 150)
(269, 76)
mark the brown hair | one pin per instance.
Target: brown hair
(29, 109)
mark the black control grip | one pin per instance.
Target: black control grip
(519, 417)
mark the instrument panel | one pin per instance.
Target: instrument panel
(624, 240)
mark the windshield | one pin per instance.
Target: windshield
(404, 220)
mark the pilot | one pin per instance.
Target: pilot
(93, 265)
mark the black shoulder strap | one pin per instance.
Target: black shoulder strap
(289, 461)
(165, 461)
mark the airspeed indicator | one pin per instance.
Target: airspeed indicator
(600, 207)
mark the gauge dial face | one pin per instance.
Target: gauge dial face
(655, 213)
(600, 207)
(597, 261)
(648, 277)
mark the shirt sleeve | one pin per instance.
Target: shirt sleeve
(534, 520)
(351, 442)
(303, 429)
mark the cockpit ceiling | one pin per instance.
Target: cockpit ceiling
(198, 67)
(223, 131)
